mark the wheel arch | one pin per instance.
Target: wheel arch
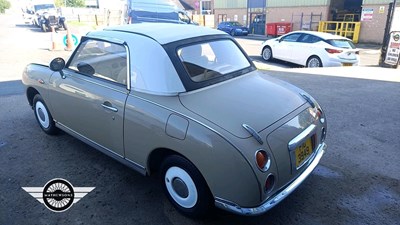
(30, 94)
(157, 156)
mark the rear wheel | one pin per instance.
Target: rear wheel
(314, 61)
(43, 116)
(267, 53)
(185, 187)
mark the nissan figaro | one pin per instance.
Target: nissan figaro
(186, 103)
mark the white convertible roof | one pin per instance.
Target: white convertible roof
(165, 33)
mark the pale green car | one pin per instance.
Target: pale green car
(187, 103)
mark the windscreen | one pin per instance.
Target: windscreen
(205, 61)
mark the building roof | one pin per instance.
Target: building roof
(165, 33)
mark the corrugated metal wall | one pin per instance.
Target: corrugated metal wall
(230, 4)
(376, 2)
(289, 3)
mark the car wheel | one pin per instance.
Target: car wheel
(64, 25)
(314, 61)
(267, 53)
(44, 28)
(185, 187)
(43, 116)
(232, 32)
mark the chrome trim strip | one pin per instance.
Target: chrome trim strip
(301, 137)
(271, 202)
(253, 133)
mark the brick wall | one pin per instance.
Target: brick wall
(231, 15)
(372, 31)
(285, 15)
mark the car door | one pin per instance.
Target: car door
(90, 99)
(305, 47)
(283, 48)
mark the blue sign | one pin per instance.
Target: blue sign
(74, 40)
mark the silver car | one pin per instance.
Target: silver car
(187, 103)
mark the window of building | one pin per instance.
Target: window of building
(205, 7)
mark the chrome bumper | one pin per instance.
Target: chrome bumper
(234, 208)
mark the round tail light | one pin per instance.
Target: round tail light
(263, 160)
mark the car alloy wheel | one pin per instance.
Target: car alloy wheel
(185, 187)
(314, 61)
(267, 53)
(43, 116)
(232, 32)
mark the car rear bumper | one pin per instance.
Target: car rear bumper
(274, 200)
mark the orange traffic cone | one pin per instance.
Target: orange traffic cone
(70, 42)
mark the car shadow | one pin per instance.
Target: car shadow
(274, 62)
(30, 27)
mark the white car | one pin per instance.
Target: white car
(312, 49)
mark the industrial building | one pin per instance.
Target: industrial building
(306, 14)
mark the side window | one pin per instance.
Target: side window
(308, 38)
(291, 37)
(100, 59)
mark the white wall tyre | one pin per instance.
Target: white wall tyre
(267, 53)
(314, 61)
(43, 116)
(185, 187)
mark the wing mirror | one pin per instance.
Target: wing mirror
(57, 65)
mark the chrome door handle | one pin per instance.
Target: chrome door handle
(109, 107)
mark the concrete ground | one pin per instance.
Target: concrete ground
(356, 183)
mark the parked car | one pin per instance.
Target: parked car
(312, 49)
(47, 16)
(218, 131)
(233, 28)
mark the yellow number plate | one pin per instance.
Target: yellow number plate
(303, 152)
(347, 64)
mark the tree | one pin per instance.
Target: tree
(76, 3)
(4, 4)
(70, 3)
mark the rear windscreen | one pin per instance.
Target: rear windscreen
(341, 43)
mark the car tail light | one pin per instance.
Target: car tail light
(269, 183)
(357, 52)
(332, 51)
(263, 160)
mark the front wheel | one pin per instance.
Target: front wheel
(185, 187)
(232, 32)
(267, 53)
(43, 116)
(44, 27)
(314, 61)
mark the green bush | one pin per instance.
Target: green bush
(4, 4)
